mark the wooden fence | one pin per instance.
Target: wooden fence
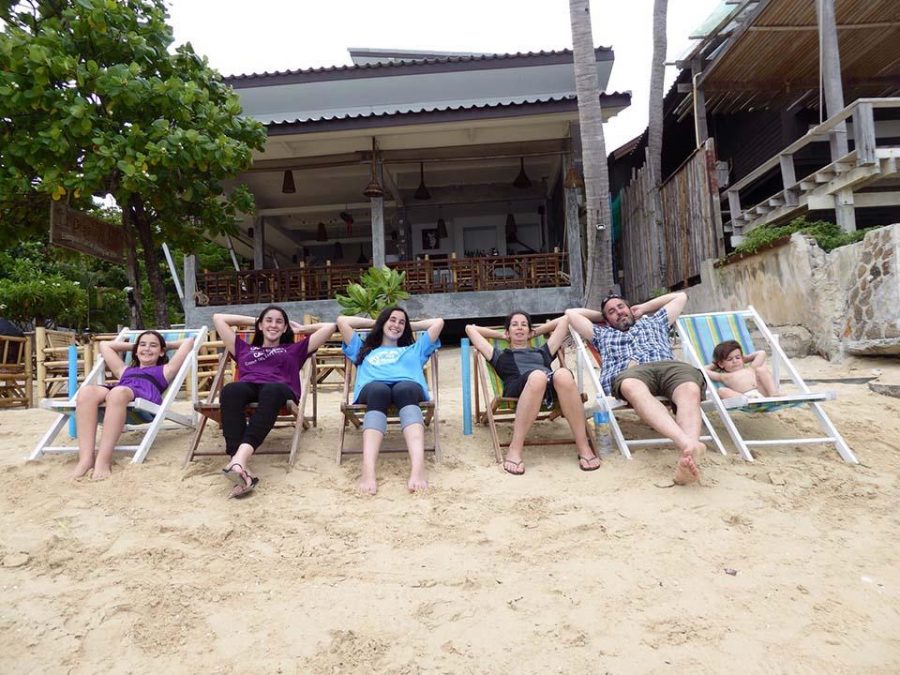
(691, 230)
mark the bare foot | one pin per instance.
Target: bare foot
(81, 469)
(101, 472)
(686, 471)
(367, 485)
(417, 481)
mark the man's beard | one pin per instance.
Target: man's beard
(624, 323)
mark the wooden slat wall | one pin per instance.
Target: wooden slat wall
(692, 226)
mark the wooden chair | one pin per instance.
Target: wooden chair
(500, 409)
(52, 357)
(143, 416)
(292, 414)
(15, 372)
(353, 413)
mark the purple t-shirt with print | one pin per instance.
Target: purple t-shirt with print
(281, 363)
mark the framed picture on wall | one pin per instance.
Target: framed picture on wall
(430, 240)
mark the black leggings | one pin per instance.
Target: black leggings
(380, 395)
(235, 398)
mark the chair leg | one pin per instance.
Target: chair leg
(340, 450)
(195, 441)
(48, 437)
(839, 443)
(435, 429)
(712, 433)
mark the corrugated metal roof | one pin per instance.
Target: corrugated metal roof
(235, 80)
(622, 96)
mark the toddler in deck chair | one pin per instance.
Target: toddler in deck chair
(740, 374)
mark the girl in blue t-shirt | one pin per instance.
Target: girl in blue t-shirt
(389, 373)
(148, 380)
(269, 370)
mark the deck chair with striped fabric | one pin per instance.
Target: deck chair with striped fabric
(590, 358)
(292, 414)
(142, 415)
(353, 413)
(500, 409)
(700, 333)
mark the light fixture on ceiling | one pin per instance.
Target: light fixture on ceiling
(441, 229)
(347, 217)
(287, 184)
(338, 251)
(522, 181)
(362, 259)
(422, 191)
(374, 190)
(321, 233)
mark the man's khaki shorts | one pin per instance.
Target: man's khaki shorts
(661, 377)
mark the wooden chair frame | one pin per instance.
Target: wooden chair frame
(15, 373)
(293, 414)
(353, 413)
(499, 409)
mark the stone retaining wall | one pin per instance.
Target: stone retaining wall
(848, 299)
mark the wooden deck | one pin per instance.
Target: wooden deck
(490, 273)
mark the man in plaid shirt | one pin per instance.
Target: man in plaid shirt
(638, 365)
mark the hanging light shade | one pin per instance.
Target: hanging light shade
(287, 185)
(522, 181)
(512, 232)
(362, 259)
(441, 229)
(321, 233)
(338, 251)
(373, 190)
(574, 179)
(422, 191)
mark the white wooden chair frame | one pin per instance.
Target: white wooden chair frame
(613, 406)
(162, 413)
(724, 407)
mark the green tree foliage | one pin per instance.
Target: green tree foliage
(377, 288)
(93, 102)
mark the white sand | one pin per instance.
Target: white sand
(556, 571)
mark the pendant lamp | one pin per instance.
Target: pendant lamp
(287, 184)
(321, 233)
(422, 191)
(522, 181)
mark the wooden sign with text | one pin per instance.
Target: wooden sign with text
(83, 233)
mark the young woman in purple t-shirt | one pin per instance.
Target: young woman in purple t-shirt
(147, 380)
(269, 370)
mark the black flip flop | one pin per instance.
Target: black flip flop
(239, 476)
(515, 464)
(588, 459)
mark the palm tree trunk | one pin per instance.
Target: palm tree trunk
(599, 277)
(655, 133)
(132, 270)
(151, 261)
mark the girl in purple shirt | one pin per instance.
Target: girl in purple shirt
(269, 369)
(147, 380)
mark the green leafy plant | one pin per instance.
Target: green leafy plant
(827, 235)
(377, 288)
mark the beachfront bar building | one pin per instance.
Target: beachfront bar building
(461, 170)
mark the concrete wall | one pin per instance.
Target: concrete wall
(848, 299)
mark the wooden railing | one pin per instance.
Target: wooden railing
(489, 273)
(866, 162)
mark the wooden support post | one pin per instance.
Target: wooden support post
(29, 388)
(573, 236)
(734, 205)
(259, 243)
(788, 179)
(834, 100)
(377, 204)
(190, 283)
(701, 131)
(864, 134)
(40, 339)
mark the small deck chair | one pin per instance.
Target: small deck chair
(589, 357)
(142, 415)
(700, 333)
(500, 409)
(353, 413)
(292, 413)
(15, 372)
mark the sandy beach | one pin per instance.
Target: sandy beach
(559, 570)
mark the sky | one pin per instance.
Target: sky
(246, 36)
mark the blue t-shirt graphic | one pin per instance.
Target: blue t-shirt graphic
(391, 364)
